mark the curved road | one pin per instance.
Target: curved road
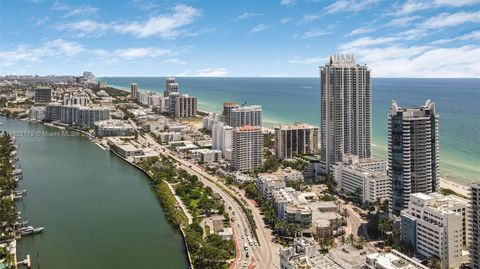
(265, 255)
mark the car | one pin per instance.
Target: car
(247, 255)
(245, 264)
(243, 237)
(238, 225)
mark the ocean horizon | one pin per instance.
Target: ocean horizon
(297, 99)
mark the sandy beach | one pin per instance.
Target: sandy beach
(456, 187)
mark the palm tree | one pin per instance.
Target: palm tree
(384, 226)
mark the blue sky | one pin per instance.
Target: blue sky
(416, 38)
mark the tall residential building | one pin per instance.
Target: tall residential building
(291, 140)
(436, 226)
(413, 149)
(185, 106)
(227, 108)
(43, 95)
(133, 90)
(247, 148)
(345, 109)
(245, 115)
(222, 136)
(475, 225)
(76, 115)
(170, 86)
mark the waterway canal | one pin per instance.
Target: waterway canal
(98, 211)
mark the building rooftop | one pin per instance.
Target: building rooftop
(392, 260)
(295, 126)
(248, 128)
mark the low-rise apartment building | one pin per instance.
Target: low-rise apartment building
(436, 226)
(267, 183)
(363, 177)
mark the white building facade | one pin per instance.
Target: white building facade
(436, 226)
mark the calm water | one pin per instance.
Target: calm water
(286, 100)
(99, 212)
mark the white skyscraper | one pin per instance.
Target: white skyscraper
(345, 109)
(222, 136)
(247, 148)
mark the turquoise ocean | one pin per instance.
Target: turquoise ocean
(288, 100)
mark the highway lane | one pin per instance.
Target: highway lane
(266, 254)
(240, 225)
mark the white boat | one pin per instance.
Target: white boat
(29, 230)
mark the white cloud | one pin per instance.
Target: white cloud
(42, 21)
(367, 41)
(63, 47)
(422, 61)
(143, 5)
(285, 20)
(314, 34)
(174, 61)
(401, 21)
(166, 26)
(53, 48)
(308, 61)
(247, 15)
(134, 53)
(259, 28)
(474, 35)
(349, 6)
(311, 17)
(287, 2)
(451, 19)
(362, 30)
(86, 27)
(73, 10)
(412, 6)
(207, 72)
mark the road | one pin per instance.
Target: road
(264, 256)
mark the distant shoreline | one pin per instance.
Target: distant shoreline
(456, 185)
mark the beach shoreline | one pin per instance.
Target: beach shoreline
(458, 186)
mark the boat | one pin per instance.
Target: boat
(20, 192)
(30, 230)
